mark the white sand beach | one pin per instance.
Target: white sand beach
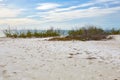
(2, 34)
(39, 59)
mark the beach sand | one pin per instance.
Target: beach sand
(39, 59)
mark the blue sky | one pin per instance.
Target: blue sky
(62, 14)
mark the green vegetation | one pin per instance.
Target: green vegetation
(114, 32)
(85, 33)
(30, 34)
(88, 33)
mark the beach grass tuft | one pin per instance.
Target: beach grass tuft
(31, 34)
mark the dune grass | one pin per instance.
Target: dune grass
(31, 34)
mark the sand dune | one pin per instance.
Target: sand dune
(38, 59)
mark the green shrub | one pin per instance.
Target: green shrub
(114, 32)
(7, 33)
(51, 32)
(90, 30)
(87, 33)
(22, 35)
(29, 34)
(15, 35)
(36, 34)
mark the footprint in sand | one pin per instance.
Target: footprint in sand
(5, 74)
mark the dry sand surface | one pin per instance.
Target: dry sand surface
(38, 59)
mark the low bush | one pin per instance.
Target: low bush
(114, 32)
(88, 33)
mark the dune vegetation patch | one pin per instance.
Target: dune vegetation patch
(85, 33)
(88, 33)
(31, 34)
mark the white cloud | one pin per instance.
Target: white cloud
(22, 23)
(6, 12)
(107, 1)
(56, 14)
(1, 0)
(104, 0)
(16, 21)
(115, 2)
(79, 13)
(46, 6)
(89, 4)
(72, 7)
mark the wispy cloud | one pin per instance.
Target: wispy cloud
(18, 21)
(77, 14)
(9, 12)
(72, 7)
(1, 0)
(46, 6)
(78, 11)
(104, 0)
(48, 12)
